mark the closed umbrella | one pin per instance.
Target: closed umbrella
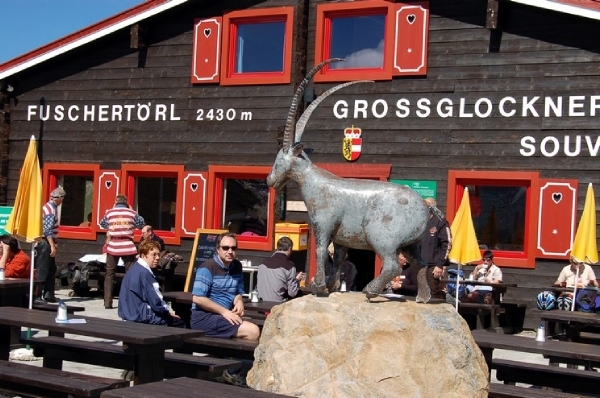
(465, 248)
(585, 248)
(25, 221)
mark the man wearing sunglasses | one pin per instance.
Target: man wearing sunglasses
(218, 306)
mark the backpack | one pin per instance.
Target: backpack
(451, 287)
(81, 277)
(587, 301)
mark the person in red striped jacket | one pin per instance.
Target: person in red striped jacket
(120, 221)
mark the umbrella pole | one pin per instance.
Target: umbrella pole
(457, 287)
(575, 288)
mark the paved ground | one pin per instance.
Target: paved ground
(94, 306)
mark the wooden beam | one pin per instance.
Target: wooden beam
(491, 21)
(138, 36)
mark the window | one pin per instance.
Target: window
(76, 214)
(503, 208)
(244, 47)
(153, 191)
(241, 201)
(376, 39)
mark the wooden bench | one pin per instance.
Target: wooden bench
(28, 379)
(481, 311)
(236, 348)
(570, 380)
(71, 309)
(510, 391)
(56, 349)
(190, 388)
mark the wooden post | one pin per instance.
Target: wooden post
(491, 21)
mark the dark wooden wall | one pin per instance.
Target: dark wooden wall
(536, 52)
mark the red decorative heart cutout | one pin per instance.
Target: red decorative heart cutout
(194, 186)
(108, 184)
(411, 18)
(557, 197)
(207, 32)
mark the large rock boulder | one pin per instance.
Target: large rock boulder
(343, 346)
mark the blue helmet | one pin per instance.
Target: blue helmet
(546, 301)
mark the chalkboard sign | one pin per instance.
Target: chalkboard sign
(203, 250)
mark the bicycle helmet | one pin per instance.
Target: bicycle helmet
(546, 301)
(564, 303)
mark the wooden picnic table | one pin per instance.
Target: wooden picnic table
(572, 321)
(569, 289)
(187, 387)
(146, 343)
(498, 289)
(558, 350)
(13, 291)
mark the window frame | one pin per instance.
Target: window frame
(230, 22)
(129, 172)
(323, 40)
(50, 172)
(216, 175)
(458, 179)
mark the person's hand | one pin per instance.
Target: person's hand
(233, 318)
(396, 285)
(52, 250)
(300, 275)
(238, 308)
(438, 272)
(5, 249)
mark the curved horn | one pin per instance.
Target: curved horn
(313, 105)
(287, 133)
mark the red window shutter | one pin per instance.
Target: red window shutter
(207, 50)
(108, 188)
(412, 32)
(194, 196)
(557, 216)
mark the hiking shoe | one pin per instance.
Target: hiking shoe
(236, 379)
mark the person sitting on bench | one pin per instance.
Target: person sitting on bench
(487, 272)
(140, 299)
(16, 262)
(218, 305)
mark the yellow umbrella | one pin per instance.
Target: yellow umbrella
(585, 248)
(25, 221)
(465, 248)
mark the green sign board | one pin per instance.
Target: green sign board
(425, 188)
(4, 214)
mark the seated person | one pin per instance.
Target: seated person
(148, 234)
(406, 283)
(568, 273)
(347, 270)
(218, 305)
(485, 272)
(16, 262)
(140, 299)
(547, 300)
(277, 277)
(252, 225)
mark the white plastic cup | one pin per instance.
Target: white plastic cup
(2, 274)
(62, 312)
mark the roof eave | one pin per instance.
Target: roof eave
(83, 37)
(562, 7)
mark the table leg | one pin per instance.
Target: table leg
(149, 366)
(487, 355)
(53, 362)
(6, 334)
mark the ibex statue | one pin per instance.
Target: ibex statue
(353, 213)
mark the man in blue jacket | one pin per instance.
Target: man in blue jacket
(140, 299)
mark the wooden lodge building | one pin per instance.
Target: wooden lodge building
(180, 104)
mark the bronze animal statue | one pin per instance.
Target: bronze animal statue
(353, 213)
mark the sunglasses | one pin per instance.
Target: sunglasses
(226, 248)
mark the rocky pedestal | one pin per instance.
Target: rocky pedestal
(343, 346)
